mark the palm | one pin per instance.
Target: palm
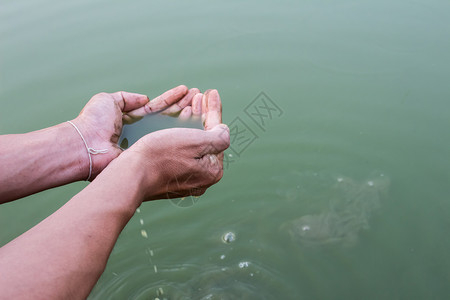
(101, 120)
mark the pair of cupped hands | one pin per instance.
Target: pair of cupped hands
(179, 161)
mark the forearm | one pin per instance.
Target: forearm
(64, 255)
(39, 160)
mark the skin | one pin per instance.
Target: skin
(63, 256)
(197, 105)
(57, 155)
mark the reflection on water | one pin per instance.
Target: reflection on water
(150, 123)
(350, 206)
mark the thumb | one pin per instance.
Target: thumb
(218, 138)
(129, 101)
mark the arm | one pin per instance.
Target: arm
(40, 160)
(63, 256)
(51, 157)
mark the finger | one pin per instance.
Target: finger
(186, 113)
(175, 108)
(211, 109)
(215, 140)
(197, 105)
(129, 101)
(160, 103)
(216, 159)
(212, 165)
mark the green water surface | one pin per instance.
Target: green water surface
(352, 90)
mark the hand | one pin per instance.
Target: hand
(181, 161)
(102, 118)
(209, 104)
(166, 104)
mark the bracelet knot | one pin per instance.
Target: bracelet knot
(89, 150)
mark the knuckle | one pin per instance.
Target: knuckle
(147, 109)
(223, 141)
(117, 96)
(216, 175)
(101, 95)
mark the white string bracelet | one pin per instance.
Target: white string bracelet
(89, 150)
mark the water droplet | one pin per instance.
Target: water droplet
(340, 179)
(155, 268)
(138, 210)
(222, 256)
(141, 221)
(306, 228)
(144, 233)
(229, 237)
(243, 264)
(230, 155)
(370, 183)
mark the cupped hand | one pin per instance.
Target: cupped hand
(181, 161)
(102, 119)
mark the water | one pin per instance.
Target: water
(349, 208)
(150, 123)
(356, 87)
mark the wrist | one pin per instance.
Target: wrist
(123, 183)
(96, 158)
(69, 152)
(82, 163)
